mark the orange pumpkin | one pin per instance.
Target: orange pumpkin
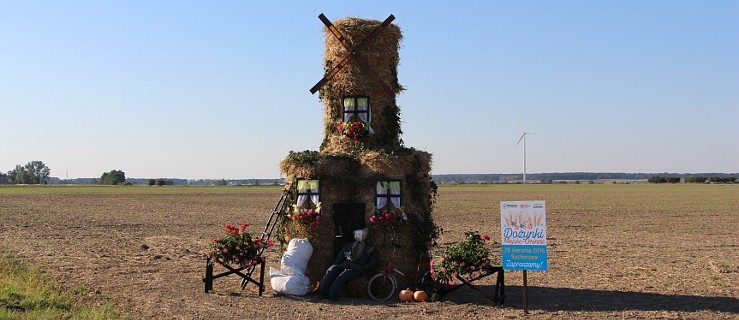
(405, 295)
(420, 295)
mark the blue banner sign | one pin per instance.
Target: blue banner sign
(524, 235)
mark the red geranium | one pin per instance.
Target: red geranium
(236, 246)
(385, 216)
(309, 217)
(354, 129)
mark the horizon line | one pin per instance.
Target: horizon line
(443, 174)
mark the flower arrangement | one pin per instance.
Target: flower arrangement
(309, 216)
(468, 258)
(354, 129)
(384, 217)
(236, 246)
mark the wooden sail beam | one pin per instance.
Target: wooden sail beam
(353, 53)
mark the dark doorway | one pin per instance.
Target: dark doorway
(347, 218)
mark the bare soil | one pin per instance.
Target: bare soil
(621, 251)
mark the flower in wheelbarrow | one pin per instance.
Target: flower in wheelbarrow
(464, 259)
(236, 246)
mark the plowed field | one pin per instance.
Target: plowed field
(615, 251)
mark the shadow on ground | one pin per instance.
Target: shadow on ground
(566, 299)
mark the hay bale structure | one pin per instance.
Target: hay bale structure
(355, 172)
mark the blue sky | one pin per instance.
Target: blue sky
(219, 89)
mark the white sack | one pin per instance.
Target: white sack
(296, 284)
(295, 259)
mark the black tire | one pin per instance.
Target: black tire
(382, 286)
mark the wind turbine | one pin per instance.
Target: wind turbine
(523, 137)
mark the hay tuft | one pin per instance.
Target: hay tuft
(399, 164)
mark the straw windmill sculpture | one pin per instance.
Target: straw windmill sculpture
(362, 173)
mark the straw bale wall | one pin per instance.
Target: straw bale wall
(351, 178)
(382, 57)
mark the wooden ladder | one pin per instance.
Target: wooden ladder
(278, 213)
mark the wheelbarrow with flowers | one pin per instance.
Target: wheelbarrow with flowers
(240, 252)
(463, 263)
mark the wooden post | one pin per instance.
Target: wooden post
(500, 288)
(261, 276)
(525, 294)
(208, 279)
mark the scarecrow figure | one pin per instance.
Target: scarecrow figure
(354, 260)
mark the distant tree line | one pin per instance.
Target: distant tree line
(34, 172)
(175, 181)
(660, 179)
(586, 177)
(160, 182)
(694, 179)
(113, 177)
(717, 179)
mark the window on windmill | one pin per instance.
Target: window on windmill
(357, 109)
(387, 195)
(309, 194)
